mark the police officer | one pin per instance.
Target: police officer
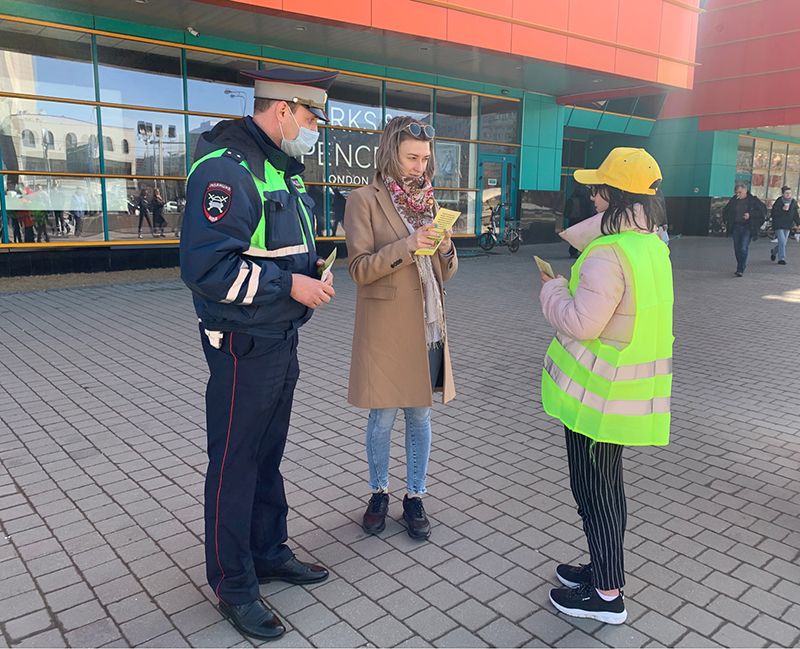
(248, 255)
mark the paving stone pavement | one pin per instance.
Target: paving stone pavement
(102, 460)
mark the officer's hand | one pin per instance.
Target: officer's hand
(422, 238)
(329, 278)
(309, 291)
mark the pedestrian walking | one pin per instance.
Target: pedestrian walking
(157, 207)
(143, 205)
(608, 372)
(78, 206)
(400, 353)
(744, 215)
(248, 255)
(783, 215)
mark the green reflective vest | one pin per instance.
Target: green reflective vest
(611, 395)
(283, 242)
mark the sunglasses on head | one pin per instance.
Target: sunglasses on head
(419, 129)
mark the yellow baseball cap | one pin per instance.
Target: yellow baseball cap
(631, 170)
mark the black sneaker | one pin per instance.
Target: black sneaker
(772, 256)
(737, 273)
(782, 262)
(584, 601)
(375, 517)
(419, 527)
(574, 576)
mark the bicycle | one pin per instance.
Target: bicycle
(512, 237)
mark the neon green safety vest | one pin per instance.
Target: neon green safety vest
(611, 395)
(260, 245)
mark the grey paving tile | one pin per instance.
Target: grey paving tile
(338, 635)
(503, 633)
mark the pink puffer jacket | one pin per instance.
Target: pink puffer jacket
(603, 306)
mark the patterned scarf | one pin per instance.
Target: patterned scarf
(413, 200)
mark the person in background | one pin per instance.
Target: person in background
(78, 206)
(608, 372)
(783, 215)
(59, 225)
(744, 214)
(157, 207)
(400, 345)
(579, 207)
(143, 205)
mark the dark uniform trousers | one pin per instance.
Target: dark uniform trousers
(248, 406)
(595, 477)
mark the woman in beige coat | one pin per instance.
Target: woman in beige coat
(400, 353)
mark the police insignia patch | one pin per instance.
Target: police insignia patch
(217, 201)
(296, 182)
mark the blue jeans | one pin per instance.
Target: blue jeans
(418, 446)
(418, 438)
(780, 249)
(741, 243)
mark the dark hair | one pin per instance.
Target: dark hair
(785, 188)
(387, 158)
(263, 105)
(620, 206)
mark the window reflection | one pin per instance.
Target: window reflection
(144, 209)
(48, 136)
(403, 99)
(351, 156)
(355, 102)
(43, 209)
(45, 61)
(139, 74)
(157, 140)
(499, 120)
(456, 115)
(214, 84)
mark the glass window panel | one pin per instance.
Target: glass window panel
(759, 185)
(499, 120)
(503, 150)
(744, 156)
(139, 74)
(778, 156)
(48, 136)
(793, 181)
(793, 158)
(456, 164)
(45, 61)
(622, 106)
(337, 201)
(44, 209)
(214, 84)
(404, 99)
(197, 126)
(317, 192)
(355, 102)
(761, 157)
(592, 105)
(125, 221)
(456, 115)
(351, 156)
(463, 202)
(155, 142)
(649, 106)
(775, 181)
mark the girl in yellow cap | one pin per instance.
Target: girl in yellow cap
(608, 372)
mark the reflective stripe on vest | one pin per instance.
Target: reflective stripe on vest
(611, 395)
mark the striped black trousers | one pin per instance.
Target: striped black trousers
(595, 477)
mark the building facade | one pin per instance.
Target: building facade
(520, 94)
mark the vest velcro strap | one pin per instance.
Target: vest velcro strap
(586, 357)
(628, 407)
(288, 251)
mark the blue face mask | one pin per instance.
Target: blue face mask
(303, 144)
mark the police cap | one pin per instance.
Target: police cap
(308, 88)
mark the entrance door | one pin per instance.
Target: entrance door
(497, 178)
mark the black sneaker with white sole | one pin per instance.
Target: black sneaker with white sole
(574, 576)
(584, 601)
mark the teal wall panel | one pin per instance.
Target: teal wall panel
(613, 123)
(531, 109)
(37, 12)
(144, 31)
(640, 127)
(542, 140)
(580, 118)
(529, 167)
(549, 175)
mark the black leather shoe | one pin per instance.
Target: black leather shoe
(419, 527)
(375, 517)
(294, 572)
(254, 620)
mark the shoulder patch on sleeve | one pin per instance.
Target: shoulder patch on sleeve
(217, 201)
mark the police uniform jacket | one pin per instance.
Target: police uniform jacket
(236, 285)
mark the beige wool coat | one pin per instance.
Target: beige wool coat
(389, 365)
